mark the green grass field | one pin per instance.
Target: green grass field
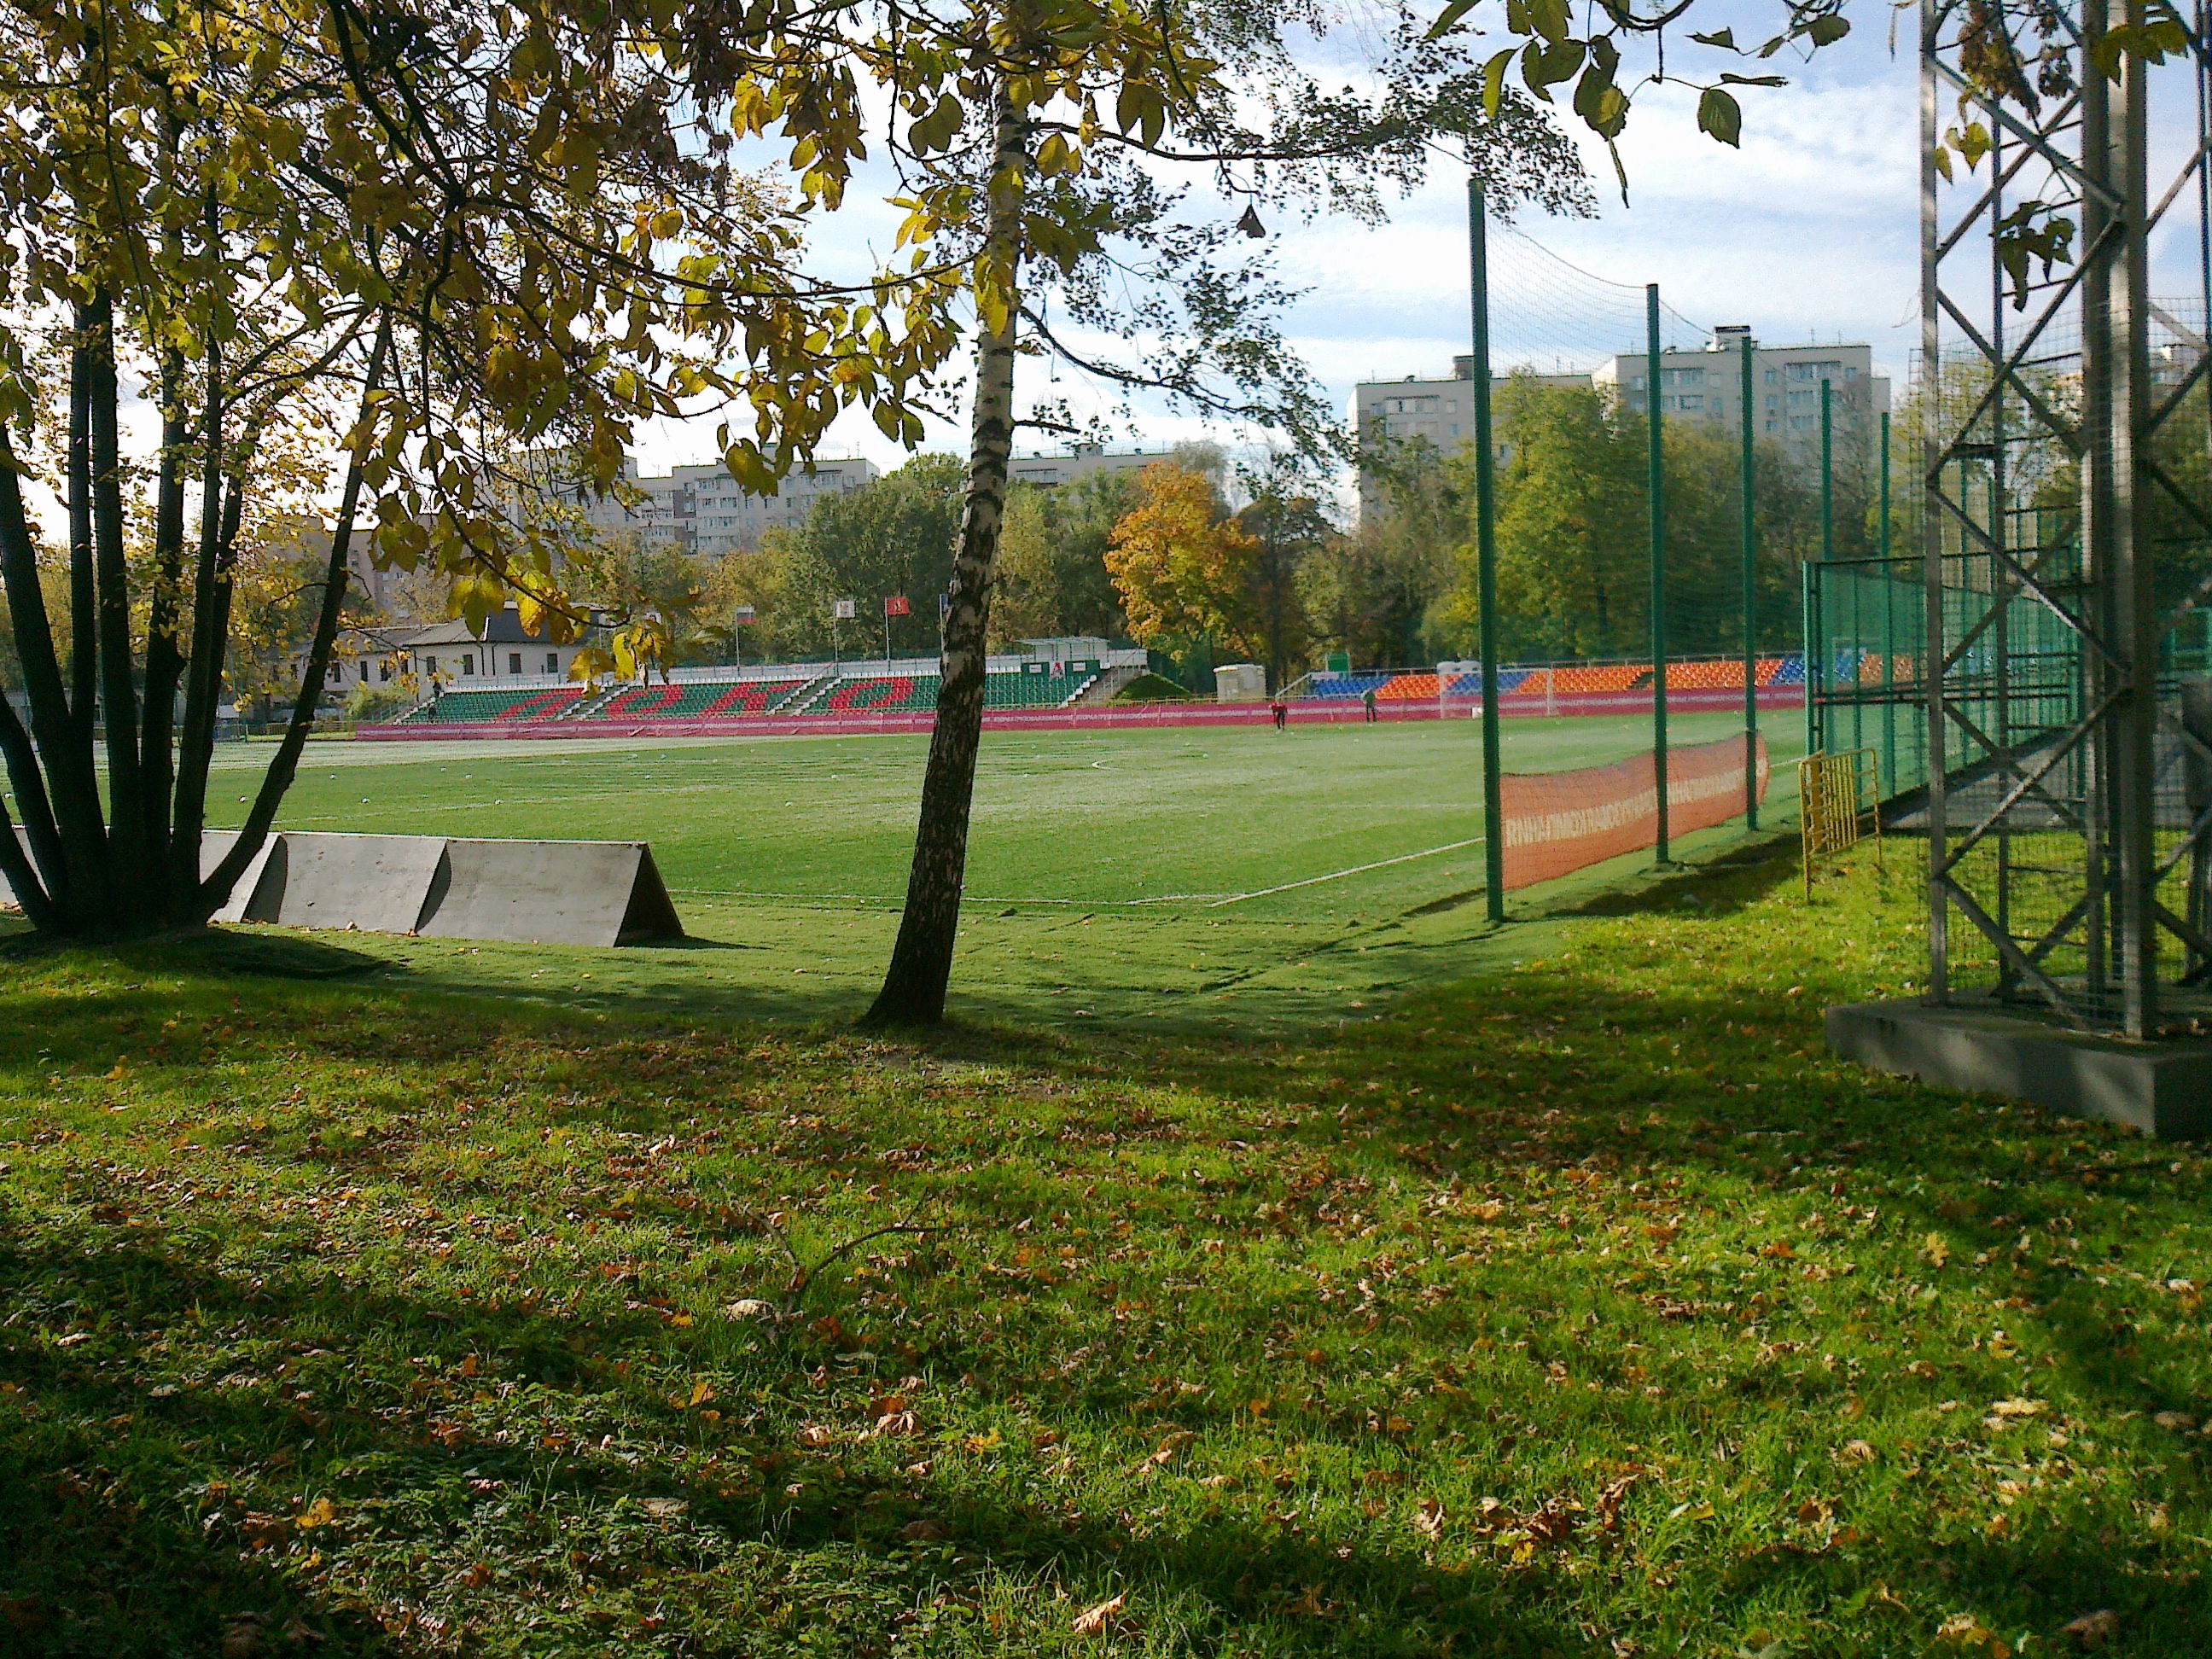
(1236, 877)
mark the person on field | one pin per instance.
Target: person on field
(1367, 702)
(1280, 710)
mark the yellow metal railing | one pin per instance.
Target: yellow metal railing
(1839, 800)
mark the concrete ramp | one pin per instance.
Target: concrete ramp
(377, 883)
(549, 892)
(528, 892)
(215, 846)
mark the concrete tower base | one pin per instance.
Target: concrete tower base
(2163, 1088)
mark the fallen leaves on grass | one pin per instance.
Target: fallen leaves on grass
(2092, 1630)
(1967, 1633)
(1104, 1620)
(1429, 1520)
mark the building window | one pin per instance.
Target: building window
(429, 665)
(552, 662)
(383, 673)
(1773, 376)
(468, 664)
(364, 671)
(514, 662)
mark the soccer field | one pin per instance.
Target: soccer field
(1226, 872)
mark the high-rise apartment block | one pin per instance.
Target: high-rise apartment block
(703, 509)
(1702, 385)
(1707, 386)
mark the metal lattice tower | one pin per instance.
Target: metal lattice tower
(2066, 533)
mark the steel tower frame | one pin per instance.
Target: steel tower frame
(2044, 616)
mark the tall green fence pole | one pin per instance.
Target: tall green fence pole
(1657, 489)
(1748, 533)
(1486, 555)
(1827, 541)
(1817, 665)
(1888, 628)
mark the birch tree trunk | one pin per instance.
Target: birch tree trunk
(921, 963)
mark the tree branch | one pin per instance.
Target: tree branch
(278, 778)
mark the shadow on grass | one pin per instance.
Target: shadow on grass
(118, 1541)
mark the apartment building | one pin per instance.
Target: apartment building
(1439, 412)
(1081, 461)
(1702, 385)
(1705, 386)
(700, 509)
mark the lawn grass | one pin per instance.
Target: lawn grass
(1580, 1307)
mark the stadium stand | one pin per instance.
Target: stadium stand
(1037, 686)
(1718, 674)
(466, 708)
(1407, 688)
(1862, 667)
(1582, 677)
(711, 700)
(1337, 687)
(1788, 670)
(899, 694)
(1470, 685)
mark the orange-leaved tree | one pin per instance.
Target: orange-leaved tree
(1184, 569)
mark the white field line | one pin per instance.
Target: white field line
(1338, 875)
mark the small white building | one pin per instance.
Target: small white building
(447, 654)
(1240, 682)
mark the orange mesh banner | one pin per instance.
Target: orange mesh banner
(1557, 822)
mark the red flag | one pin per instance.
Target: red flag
(895, 606)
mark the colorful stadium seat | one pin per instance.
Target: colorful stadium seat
(1407, 688)
(876, 695)
(1721, 674)
(465, 708)
(1036, 685)
(708, 700)
(1470, 685)
(1790, 672)
(1336, 688)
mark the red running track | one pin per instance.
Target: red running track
(1347, 713)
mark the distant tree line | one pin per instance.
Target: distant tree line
(1205, 564)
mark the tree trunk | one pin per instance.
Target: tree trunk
(922, 963)
(84, 642)
(165, 656)
(62, 829)
(119, 698)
